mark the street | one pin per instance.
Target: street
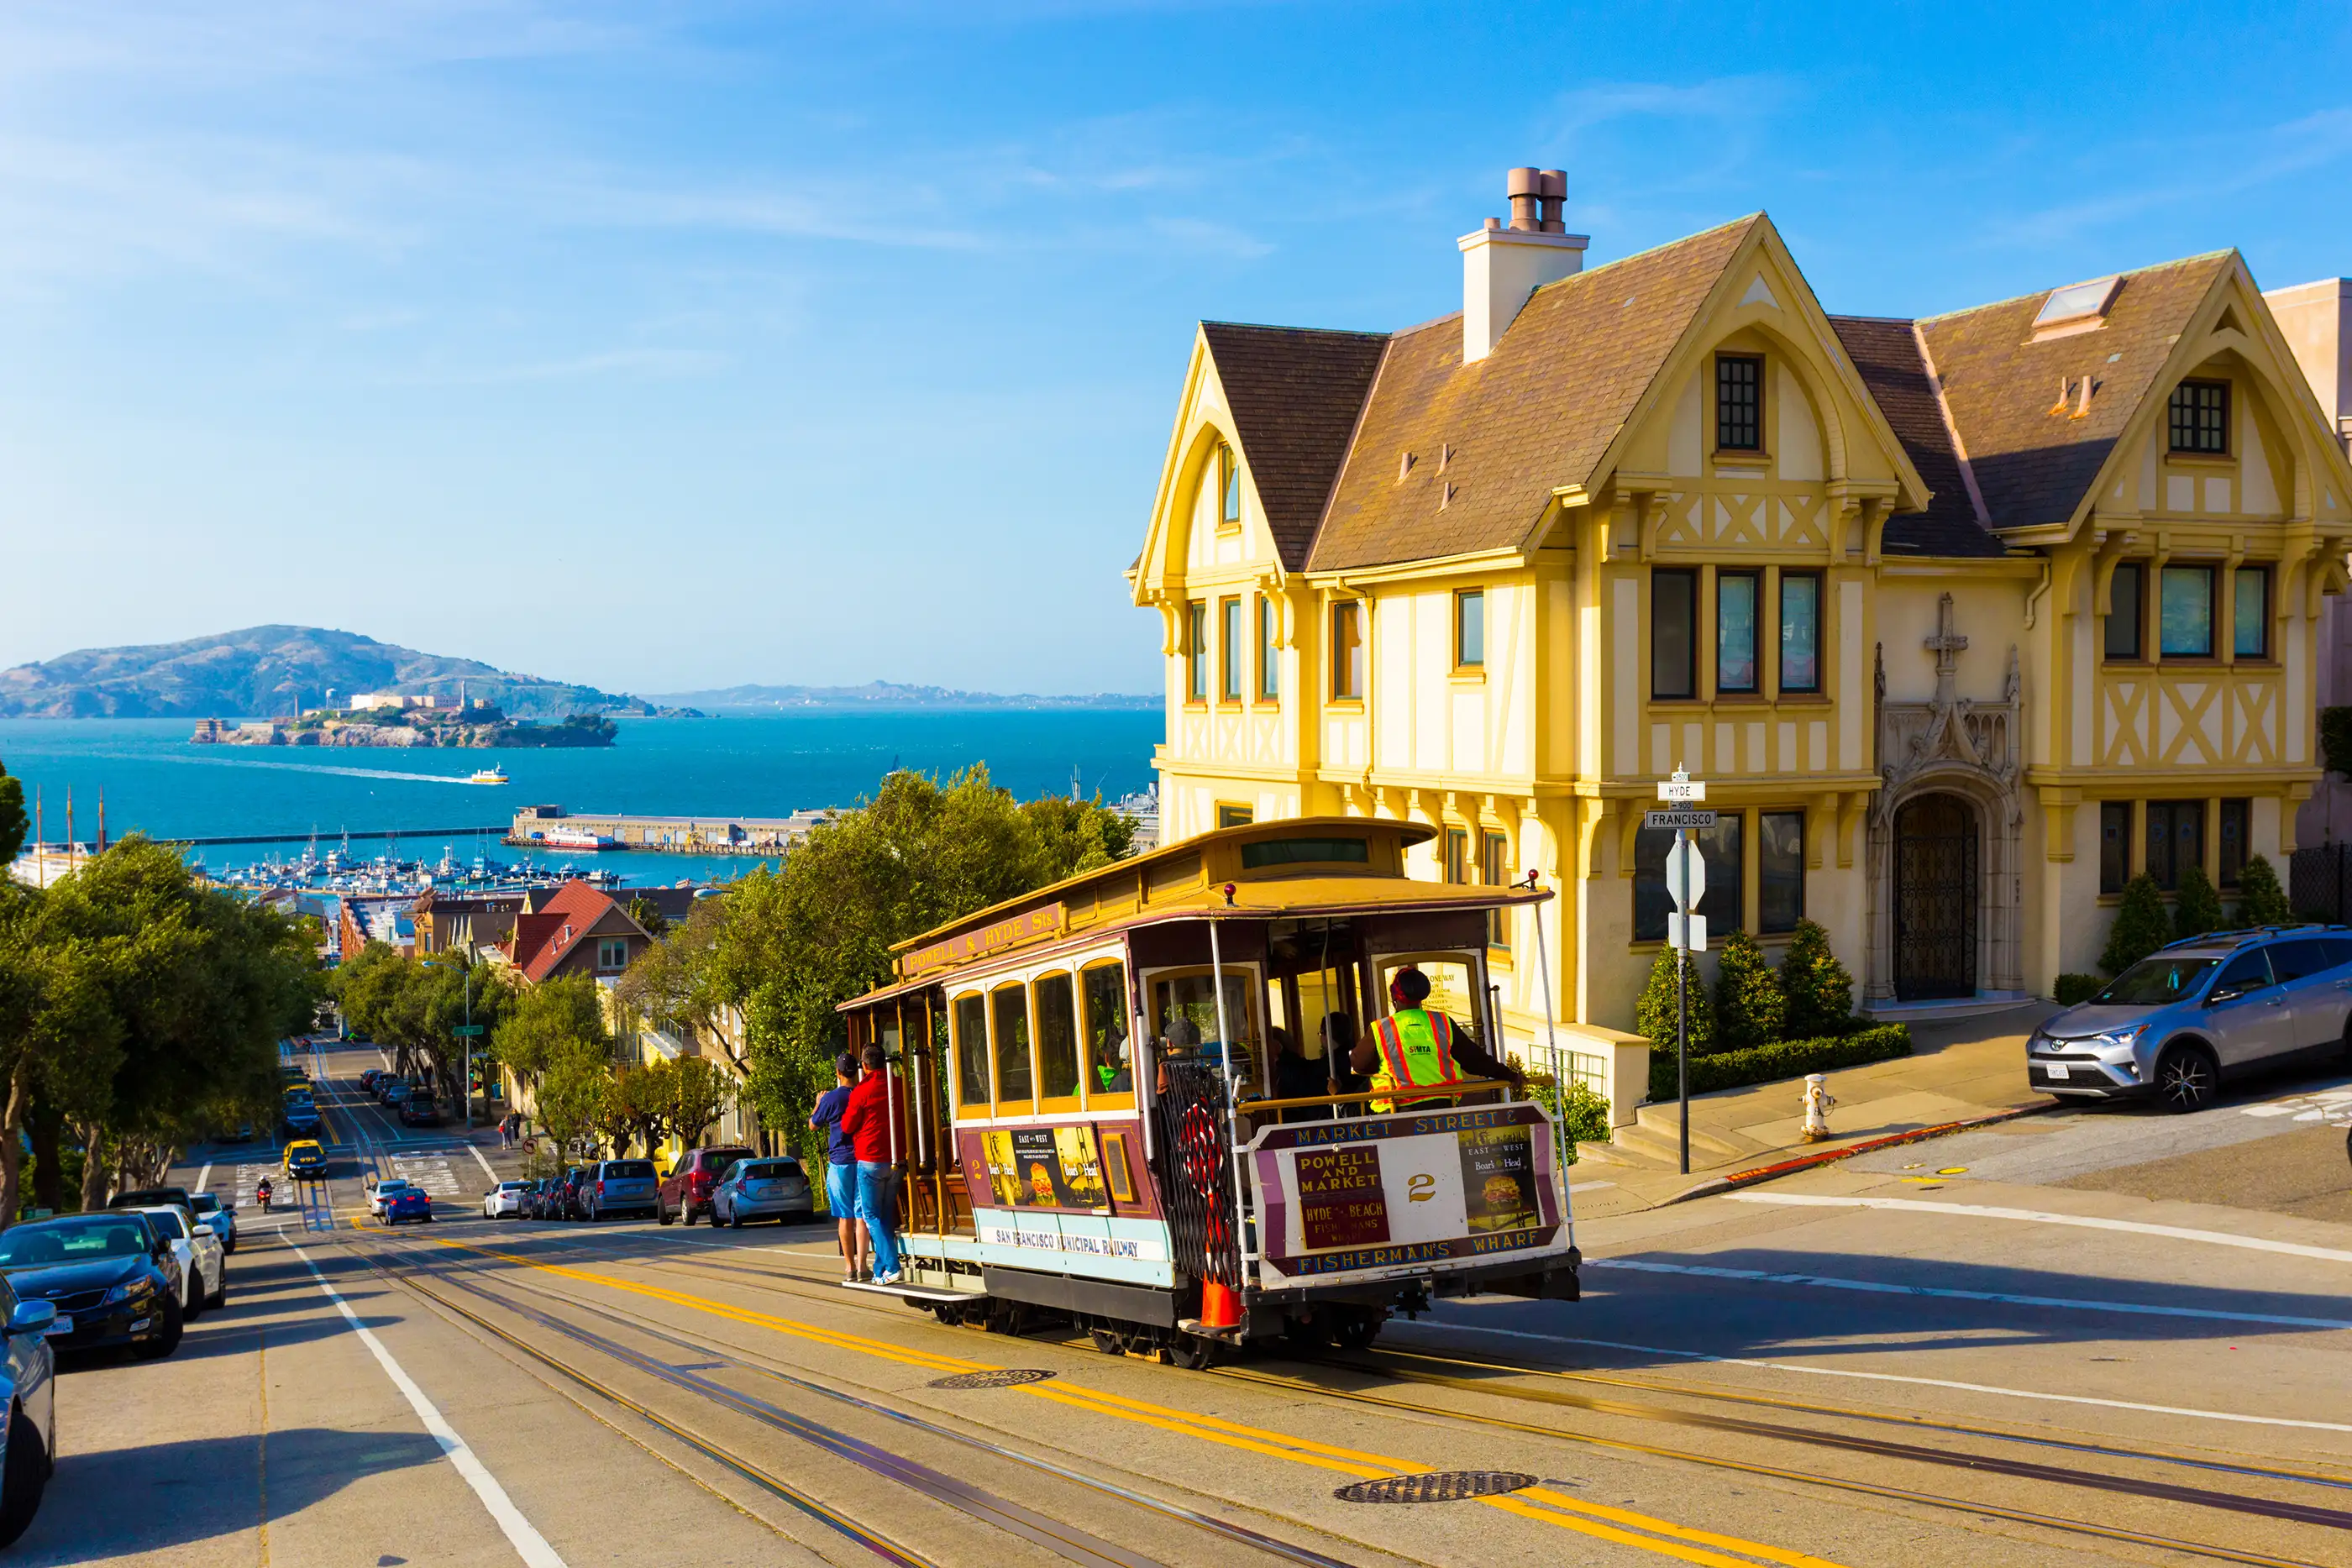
(2022, 1345)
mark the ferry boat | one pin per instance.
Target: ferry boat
(493, 774)
(561, 838)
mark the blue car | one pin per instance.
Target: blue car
(411, 1204)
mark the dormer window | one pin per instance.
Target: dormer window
(1229, 490)
(2200, 418)
(1739, 402)
(2077, 308)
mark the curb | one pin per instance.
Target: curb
(1830, 1156)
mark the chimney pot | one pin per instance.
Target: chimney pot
(1525, 187)
(1552, 195)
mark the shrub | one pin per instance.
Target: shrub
(2197, 908)
(2260, 900)
(1584, 1111)
(2072, 990)
(2141, 925)
(1816, 991)
(1653, 1016)
(2336, 739)
(1748, 1010)
(1789, 1059)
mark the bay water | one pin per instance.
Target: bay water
(157, 782)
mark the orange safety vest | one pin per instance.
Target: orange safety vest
(1416, 1051)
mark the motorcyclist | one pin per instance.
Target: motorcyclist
(262, 1192)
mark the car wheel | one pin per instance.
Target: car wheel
(738, 1219)
(195, 1296)
(688, 1212)
(662, 1214)
(2187, 1078)
(167, 1342)
(24, 1478)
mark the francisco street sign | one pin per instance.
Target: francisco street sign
(466, 1028)
(1678, 818)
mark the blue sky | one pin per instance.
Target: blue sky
(671, 346)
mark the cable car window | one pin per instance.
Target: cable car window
(1296, 851)
(1057, 1039)
(1110, 1068)
(1452, 987)
(972, 1050)
(1184, 1013)
(1014, 1078)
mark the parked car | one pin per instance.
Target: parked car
(145, 1197)
(533, 1192)
(687, 1191)
(306, 1161)
(302, 1118)
(217, 1216)
(2179, 1022)
(771, 1188)
(28, 1450)
(409, 1203)
(503, 1201)
(368, 1077)
(393, 1092)
(203, 1269)
(109, 1277)
(620, 1187)
(568, 1194)
(419, 1109)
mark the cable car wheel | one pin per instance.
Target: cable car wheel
(1355, 1328)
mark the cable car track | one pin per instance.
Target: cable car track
(790, 1282)
(1064, 1539)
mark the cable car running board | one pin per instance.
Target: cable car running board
(912, 1293)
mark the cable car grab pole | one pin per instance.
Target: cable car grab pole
(1233, 1096)
(1551, 1040)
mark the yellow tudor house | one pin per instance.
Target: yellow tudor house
(1964, 619)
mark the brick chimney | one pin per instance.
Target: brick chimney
(1502, 266)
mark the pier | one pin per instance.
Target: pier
(554, 827)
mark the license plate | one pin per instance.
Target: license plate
(60, 1324)
(2056, 1069)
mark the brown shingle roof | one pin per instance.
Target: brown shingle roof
(1885, 353)
(2033, 465)
(1295, 394)
(1538, 413)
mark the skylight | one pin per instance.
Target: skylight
(2077, 302)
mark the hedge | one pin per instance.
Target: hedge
(1788, 1059)
(2070, 990)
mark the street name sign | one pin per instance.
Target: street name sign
(466, 1028)
(1681, 787)
(1678, 818)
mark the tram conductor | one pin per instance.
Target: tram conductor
(1415, 1048)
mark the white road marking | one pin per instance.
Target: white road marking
(1935, 1292)
(2333, 1106)
(528, 1543)
(476, 1150)
(1450, 1326)
(2037, 1216)
(205, 1176)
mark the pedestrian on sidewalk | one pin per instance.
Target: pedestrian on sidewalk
(841, 1166)
(505, 1131)
(872, 1115)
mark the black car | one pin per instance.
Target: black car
(148, 1197)
(566, 1204)
(420, 1111)
(392, 1092)
(107, 1274)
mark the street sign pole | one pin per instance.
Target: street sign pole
(1682, 792)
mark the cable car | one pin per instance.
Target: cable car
(1128, 1101)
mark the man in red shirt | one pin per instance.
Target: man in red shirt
(871, 1121)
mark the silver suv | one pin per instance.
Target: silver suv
(2177, 1022)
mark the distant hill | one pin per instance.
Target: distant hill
(264, 671)
(890, 694)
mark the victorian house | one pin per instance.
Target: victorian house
(1963, 620)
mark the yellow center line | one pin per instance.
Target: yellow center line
(1681, 1542)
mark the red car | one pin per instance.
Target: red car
(688, 1190)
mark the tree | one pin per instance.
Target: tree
(59, 1040)
(2260, 900)
(14, 824)
(549, 1021)
(1653, 1016)
(1815, 986)
(2140, 928)
(572, 1094)
(699, 1089)
(637, 1104)
(2197, 908)
(641, 911)
(1748, 1008)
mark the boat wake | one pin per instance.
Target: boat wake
(310, 768)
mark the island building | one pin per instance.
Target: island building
(1964, 619)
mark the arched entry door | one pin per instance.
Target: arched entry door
(1935, 898)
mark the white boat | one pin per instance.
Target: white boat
(493, 774)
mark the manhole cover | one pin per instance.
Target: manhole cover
(1436, 1486)
(995, 1377)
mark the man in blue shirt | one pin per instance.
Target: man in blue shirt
(841, 1166)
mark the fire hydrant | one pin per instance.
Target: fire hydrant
(1817, 1101)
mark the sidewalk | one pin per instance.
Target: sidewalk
(1960, 1070)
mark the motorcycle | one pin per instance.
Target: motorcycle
(262, 1192)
